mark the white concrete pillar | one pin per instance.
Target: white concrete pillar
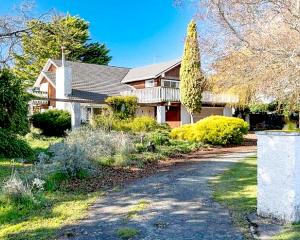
(227, 111)
(278, 175)
(75, 115)
(184, 115)
(161, 114)
(63, 86)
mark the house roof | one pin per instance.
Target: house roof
(95, 82)
(149, 71)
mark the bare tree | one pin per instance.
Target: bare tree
(253, 46)
(12, 26)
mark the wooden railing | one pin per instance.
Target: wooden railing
(38, 93)
(165, 94)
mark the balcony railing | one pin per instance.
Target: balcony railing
(38, 93)
(165, 94)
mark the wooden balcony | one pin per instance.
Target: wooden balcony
(165, 94)
(37, 93)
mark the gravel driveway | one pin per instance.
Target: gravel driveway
(169, 205)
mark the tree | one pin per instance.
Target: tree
(191, 77)
(12, 27)
(254, 47)
(13, 104)
(45, 40)
(95, 53)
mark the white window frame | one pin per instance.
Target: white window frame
(170, 81)
(149, 83)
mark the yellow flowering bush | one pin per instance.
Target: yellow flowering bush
(215, 130)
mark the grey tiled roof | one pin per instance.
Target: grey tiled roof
(95, 82)
(149, 71)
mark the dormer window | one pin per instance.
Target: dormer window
(149, 83)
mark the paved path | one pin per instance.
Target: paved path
(174, 205)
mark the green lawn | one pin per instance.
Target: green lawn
(236, 189)
(60, 208)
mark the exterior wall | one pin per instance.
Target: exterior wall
(51, 92)
(173, 73)
(141, 84)
(208, 111)
(278, 175)
(146, 111)
(227, 111)
(52, 68)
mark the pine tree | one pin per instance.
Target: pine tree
(191, 77)
(45, 41)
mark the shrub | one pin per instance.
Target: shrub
(17, 192)
(69, 160)
(216, 130)
(122, 106)
(12, 146)
(135, 125)
(13, 103)
(143, 124)
(160, 137)
(52, 122)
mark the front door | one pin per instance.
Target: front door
(173, 115)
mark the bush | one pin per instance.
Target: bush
(135, 125)
(13, 103)
(17, 192)
(160, 137)
(143, 124)
(215, 130)
(52, 122)
(122, 106)
(12, 146)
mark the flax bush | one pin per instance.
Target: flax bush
(215, 130)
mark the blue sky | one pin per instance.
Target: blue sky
(138, 32)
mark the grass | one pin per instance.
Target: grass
(127, 232)
(39, 222)
(136, 209)
(236, 189)
(173, 148)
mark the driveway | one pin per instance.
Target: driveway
(176, 204)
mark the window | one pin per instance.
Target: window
(170, 83)
(149, 83)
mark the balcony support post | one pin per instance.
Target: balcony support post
(161, 114)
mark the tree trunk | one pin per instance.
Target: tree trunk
(192, 118)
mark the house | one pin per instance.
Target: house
(81, 88)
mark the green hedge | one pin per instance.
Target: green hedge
(215, 130)
(123, 107)
(12, 146)
(52, 122)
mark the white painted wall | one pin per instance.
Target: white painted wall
(278, 194)
(161, 114)
(184, 115)
(145, 111)
(227, 111)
